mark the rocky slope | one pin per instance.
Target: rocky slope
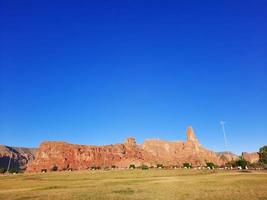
(251, 157)
(227, 156)
(19, 157)
(64, 156)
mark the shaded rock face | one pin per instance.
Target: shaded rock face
(64, 156)
(251, 157)
(20, 157)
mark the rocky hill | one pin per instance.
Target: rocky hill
(20, 157)
(251, 157)
(64, 156)
(227, 155)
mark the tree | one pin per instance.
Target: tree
(232, 163)
(187, 165)
(144, 167)
(263, 155)
(2, 170)
(160, 166)
(54, 168)
(132, 166)
(210, 165)
(242, 163)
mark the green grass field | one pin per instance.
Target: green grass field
(136, 184)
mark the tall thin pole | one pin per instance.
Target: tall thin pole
(224, 135)
(9, 162)
(225, 139)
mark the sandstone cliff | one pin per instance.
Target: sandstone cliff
(251, 157)
(227, 156)
(177, 153)
(64, 156)
(20, 156)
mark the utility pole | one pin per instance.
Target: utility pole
(224, 134)
(9, 162)
(225, 139)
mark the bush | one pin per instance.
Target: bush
(160, 166)
(132, 166)
(231, 164)
(210, 165)
(256, 165)
(144, 167)
(113, 167)
(54, 168)
(2, 170)
(187, 165)
(95, 167)
(12, 171)
(242, 163)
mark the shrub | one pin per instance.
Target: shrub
(54, 168)
(12, 171)
(231, 164)
(210, 165)
(160, 166)
(132, 166)
(242, 163)
(113, 166)
(256, 165)
(144, 167)
(95, 167)
(2, 170)
(187, 165)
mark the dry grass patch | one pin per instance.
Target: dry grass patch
(136, 184)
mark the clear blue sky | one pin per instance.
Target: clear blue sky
(95, 72)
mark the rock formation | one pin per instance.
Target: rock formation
(19, 157)
(179, 152)
(251, 157)
(64, 156)
(227, 156)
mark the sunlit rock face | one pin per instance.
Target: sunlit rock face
(179, 152)
(227, 156)
(251, 157)
(64, 156)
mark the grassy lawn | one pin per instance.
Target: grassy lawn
(136, 184)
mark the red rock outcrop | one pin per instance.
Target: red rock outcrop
(63, 156)
(251, 157)
(179, 152)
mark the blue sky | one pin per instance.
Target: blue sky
(96, 72)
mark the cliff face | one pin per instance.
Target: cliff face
(227, 156)
(251, 157)
(19, 157)
(63, 156)
(177, 153)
